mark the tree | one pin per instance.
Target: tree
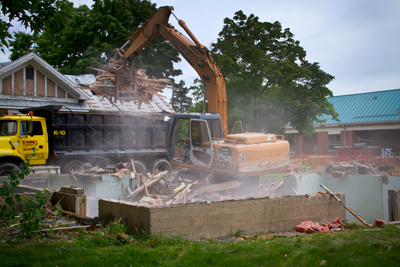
(181, 101)
(91, 35)
(33, 14)
(21, 44)
(270, 84)
(197, 90)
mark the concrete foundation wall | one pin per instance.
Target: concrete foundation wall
(394, 205)
(217, 219)
(75, 202)
(365, 194)
(95, 186)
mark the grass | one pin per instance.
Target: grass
(110, 246)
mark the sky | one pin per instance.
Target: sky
(357, 41)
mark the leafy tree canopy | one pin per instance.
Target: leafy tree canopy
(270, 84)
(33, 14)
(181, 101)
(91, 35)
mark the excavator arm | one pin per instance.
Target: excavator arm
(192, 51)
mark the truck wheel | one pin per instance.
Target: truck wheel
(72, 166)
(161, 165)
(7, 168)
(139, 167)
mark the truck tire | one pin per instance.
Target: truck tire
(139, 167)
(161, 165)
(7, 168)
(74, 165)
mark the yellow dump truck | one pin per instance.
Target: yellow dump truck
(50, 137)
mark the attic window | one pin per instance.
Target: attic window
(29, 75)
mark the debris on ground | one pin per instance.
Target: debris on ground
(341, 169)
(164, 188)
(311, 227)
(379, 223)
(56, 219)
(355, 214)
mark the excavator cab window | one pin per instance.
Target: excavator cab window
(190, 134)
(180, 140)
(215, 128)
(201, 151)
(199, 135)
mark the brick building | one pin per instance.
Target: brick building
(30, 82)
(372, 116)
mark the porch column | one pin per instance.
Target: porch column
(322, 138)
(298, 144)
(347, 138)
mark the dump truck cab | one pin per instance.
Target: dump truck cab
(23, 138)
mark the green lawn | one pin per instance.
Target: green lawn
(109, 247)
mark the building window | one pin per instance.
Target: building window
(334, 139)
(29, 73)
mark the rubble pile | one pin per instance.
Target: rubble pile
(165, 188)
(120, 80)
(159, 190)
(341, 169)
(309, 227)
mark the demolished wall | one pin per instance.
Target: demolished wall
(217, 219)
(365, 194)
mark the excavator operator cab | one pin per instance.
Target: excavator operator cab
(190, 138)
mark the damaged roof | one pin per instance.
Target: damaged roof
(101, 103)
(377, 106)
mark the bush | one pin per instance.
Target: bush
(33, 210)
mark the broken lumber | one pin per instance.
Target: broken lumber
(148, 183)
(149, 200)
(123, 186)
(196, 190)
(221, 186)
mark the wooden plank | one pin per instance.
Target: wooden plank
(145, 190)
(148, 183)
(196, 190)
(75, 214)
(123, 186)
(133, 166)
(221, 186)
(149, 200)
(63, 228)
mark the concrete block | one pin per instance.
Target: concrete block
(217, 219)
(338, 174)
(71, 202)
(72, 190)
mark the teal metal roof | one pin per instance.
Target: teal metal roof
(366, 107)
